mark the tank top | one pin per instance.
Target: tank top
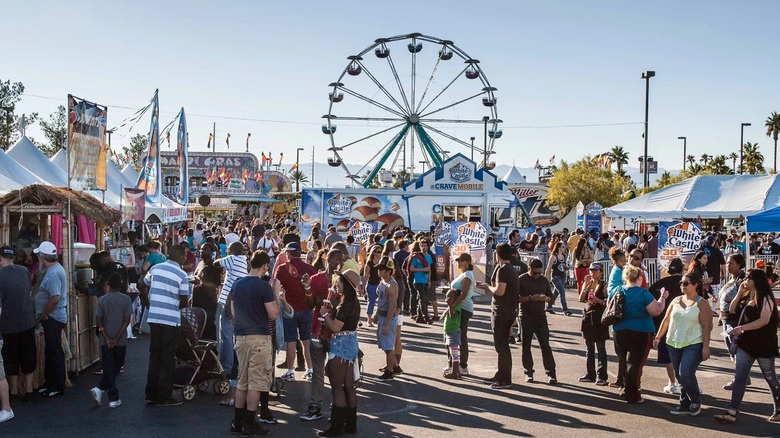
(761, 342)
(559, 266)
(382, 299)
(684, 326)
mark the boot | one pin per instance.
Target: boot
(351, 421)
(337, 419)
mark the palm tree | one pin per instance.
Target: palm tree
(298, 177)
(400, 178)
(619, 157)
(733, 157)
(752, 159)
(705, 158)
(691, 160)
(773, 129)
(718, 165)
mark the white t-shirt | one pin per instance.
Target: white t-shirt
(266, 245)
(231, 238)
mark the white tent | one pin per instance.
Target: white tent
(28, 155)
(130, 174)
(112, 196)
(60, 159)
(705, 196)
(7, 185)
(513, 177)
(16, 172)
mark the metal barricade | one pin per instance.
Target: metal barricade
(766, 259)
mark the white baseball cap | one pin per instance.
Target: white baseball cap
(46, 248)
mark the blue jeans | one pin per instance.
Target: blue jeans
(744, 363)
(371, 291)
(686, 361)
(560, 290)
(225, 346)
(111, 360)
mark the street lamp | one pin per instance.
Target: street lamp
(423, 165)
(646, 76)
(472, 148)
(297, 180)
(685, 146)
(484, 150)
(741, 144)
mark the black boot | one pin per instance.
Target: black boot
(350, 426)
(337, 418)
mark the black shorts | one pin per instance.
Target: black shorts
(19, 352)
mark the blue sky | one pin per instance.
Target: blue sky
(553, 62)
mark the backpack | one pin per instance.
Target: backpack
(615, 310)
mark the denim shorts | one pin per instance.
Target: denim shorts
(298, 327)
(344, 346)
(386, 342)
(452, 339)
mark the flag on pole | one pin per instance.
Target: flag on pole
(295, 166)
(168, 138)
(552, 159)
(270, 161)
(211, 138)
(245, 175)
(227, 141)
(149, 177)
(281, 155)
(536, 166)
(247, 140)
(264, 159)
(181, 159)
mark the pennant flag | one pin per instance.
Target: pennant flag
(258, 175)
(149, 177)
(168, 138)
(211, 138)
(270, 160)
(264, 159)
(295, 166)
(536, 166)
(281, 155)
(245, 175)
(247, 140)
(227, 141)
(181, 159)
(552, 159)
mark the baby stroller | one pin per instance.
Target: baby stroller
(197, 363)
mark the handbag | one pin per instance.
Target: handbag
(615, 310)
(733, 339)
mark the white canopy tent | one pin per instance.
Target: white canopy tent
(7, 185)
(513, 176)
(706, 197)
(28, 155)
(131, 176)
(14, 171)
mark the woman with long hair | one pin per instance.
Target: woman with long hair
(735, 265)
(687, 328)
(755, 337)
(698, 266)
(342, 319)
(388, 248)
(594, 293)
(371, 280)
(556, 272)
(582, 260)
(314, 247)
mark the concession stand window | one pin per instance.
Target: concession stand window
(462, 213)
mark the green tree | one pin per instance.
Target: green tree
(581, 181)
(134, 153)
(733, 157)
(299, 178)
(619, 157)
(375, 184)
(10, 95)
(773, 130)
(705, 159)
(56, 131)
(752, 159)
(401, 178)
(718, 166)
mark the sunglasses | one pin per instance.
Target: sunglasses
(685, 283)
(633, 257)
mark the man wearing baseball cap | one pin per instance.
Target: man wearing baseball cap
(50, 307)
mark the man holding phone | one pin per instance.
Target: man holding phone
(535, 293)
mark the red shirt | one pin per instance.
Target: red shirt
(320, 288)
(289, 274)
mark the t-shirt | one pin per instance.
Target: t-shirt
(452, 323)
(231, 238)
(167, 282)
(15, 288)
(55, 283)
(235, 267)
(289, 274)
(672, 285)
(257, 232)
(615, 278)
(332, 238)
(714, 261)
(400, 258)
(635, 316)
(572, 242)
(266, 244)
(506, 304)
(249, 296)
(348, 312)
(115, 308)
(421, 277)
(350, 264)
(468, 302)
(534, 310)
(155, 258)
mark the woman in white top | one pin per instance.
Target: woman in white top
(464, 282)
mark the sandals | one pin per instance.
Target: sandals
(229, 403)
(452, 375)
(728, 418)
(775, 418)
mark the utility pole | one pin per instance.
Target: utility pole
(214, 134)
(484, 151)
(472, 148)
(298, 169)
(646, 76)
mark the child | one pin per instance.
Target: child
(452, 334)
(112, 316)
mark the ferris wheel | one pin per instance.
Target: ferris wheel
(409, 95)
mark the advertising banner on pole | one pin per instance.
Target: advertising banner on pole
(135, 205)
(86, 144)
(469, 237)
(581, 215)
(182, 144)
(149, 177)
(593, 217)
(677, 239)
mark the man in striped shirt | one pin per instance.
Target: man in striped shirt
(169, 291)
(235, 266)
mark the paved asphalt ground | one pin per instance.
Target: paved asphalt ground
(421, 403)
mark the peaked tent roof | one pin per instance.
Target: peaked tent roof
(17, 172)
(60, 159)
(705, 196)
(28, 155)
(131, 176)
(7, 185)
(514, 176)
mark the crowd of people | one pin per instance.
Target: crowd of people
(266, 289)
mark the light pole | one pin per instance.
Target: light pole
(423, 165)
(297, 169)
(685, 148)
(472, 148)
(484, 150)
(741, 144)
(646, 76)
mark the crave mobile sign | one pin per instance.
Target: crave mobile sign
(86, 144)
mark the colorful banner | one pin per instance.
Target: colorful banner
(87, 144)
(677, 239)
(182, 144)
(149, 177)
(134, 205)
(471, 238)
(593, 217)
(361, 231)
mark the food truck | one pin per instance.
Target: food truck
(445, 198)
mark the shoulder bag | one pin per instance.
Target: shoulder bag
(615, 310)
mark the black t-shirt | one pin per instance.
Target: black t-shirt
(112, 267)
(672, 285)
(506, 304)
(18, 313)
(291, 237)
(373, 273)
(528, 285)
(257, 234)
(348, 312)
(249, 295)
(714, 261)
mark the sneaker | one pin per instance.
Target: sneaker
(98, 372)
(615, 384)
(501, 385)
(384, 377)
(552, 380)
(464, 371)
(587, 379)
(695, 409)
(43, 391)
(446, 370)
(681, 411)
(529, 379)
(308, 376)
(312, 414)
(567, 313)
(267, 418)
(601, 382)
(53, 394)
(97, 395)
(6, 415)
(289, 376)
(115, 404)
(397, 370)
(170, 402)
(519, 339)
(550, 311)
(672, 388)
(255, 429)
(282, 365)
(775, 418)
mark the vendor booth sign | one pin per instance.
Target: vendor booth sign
(677, 239)
(593, 217)
(86, 144)
(360, 231)
(135, 205)
(469, 237)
